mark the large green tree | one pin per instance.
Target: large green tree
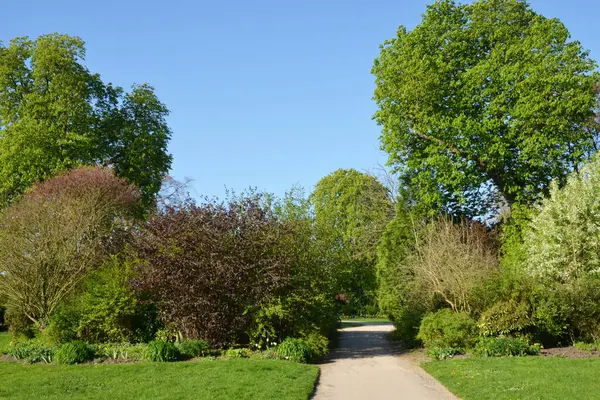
(56, 115)
(482, 102)
(351, 212)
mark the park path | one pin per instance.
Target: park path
(367, 366)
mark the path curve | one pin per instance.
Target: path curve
(366, 366)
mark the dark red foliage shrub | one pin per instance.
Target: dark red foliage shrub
(207, 265)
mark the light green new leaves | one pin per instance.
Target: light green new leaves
(562, 241)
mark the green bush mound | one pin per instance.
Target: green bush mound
(161, 351)
(448, 329)
(75, 352)
(297, 350)
(193, 348)
(32, 352)
(505, 347)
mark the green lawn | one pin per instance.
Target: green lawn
(234, 379)
(519, 378)
(366, 320)
(5, 339)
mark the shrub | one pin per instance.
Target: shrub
(75, 352)
(506, 318)
(193, 348)
(319, 346)
(504, 347)
(206, 265)
(65, 226)
(451, 260)
(32, 352)
(443, 353)
(296, 350)
(238, 353)
(447, 329)
(3, 325)
(561, 242)
(161, 351)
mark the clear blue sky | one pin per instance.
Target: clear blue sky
(262, 93)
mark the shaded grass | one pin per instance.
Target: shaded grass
(519, 378)
(366, 320)
(5, 339)
(234, 379)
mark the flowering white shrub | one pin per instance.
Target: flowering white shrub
(563, 240)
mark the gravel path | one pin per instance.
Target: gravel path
(367, 366)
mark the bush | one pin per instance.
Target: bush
(207, 265)
(193, 348)
(447, 329)
(561, 242)
(161, 351)
(75, 352)
(505, 347)
(506, 318)
(296, 350)
(442, 353)
(238, 353)
(319, 346)
(3, 325)
(32, 352)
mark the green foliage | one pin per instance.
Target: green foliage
(561, 241)
(193, 348)
(484, 100)
(56, 115)
(506, 318)
(447, 329)
(505, 347)
(161, 351)
(121, 351)
(238, 353)
(32, 352)
(296, 350)
(443, 353)
(351, 210)
(75, 352)
(319, 346)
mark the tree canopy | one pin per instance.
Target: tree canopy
(483, 102)
(56, 115)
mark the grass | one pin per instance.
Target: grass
(519, 378)
(234, 379)
(5, 339)
(366, 320)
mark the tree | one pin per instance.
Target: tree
(351, 212)
(58, 232)
(55, 115)
(484, 103)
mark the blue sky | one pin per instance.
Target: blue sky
(262, 93)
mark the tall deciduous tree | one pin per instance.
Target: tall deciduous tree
(56, 115)
(482, 101)
(352, 210)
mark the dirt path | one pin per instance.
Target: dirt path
(367, 366)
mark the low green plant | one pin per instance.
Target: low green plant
(296, 350)
(443, 353)
(193, 348)
(32, 352)
(505, 347)
(265, 355)
(75, 352)
(589, 347)
(238, 353)
(161, 351)
(122, 351)
(447, 329)
(319, 346)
